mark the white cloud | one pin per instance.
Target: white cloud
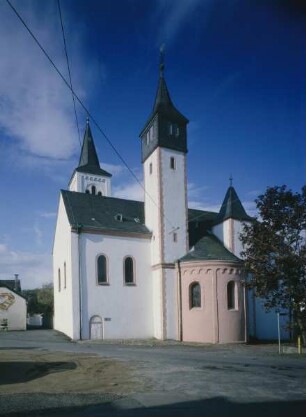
(132, 191)
(33, 269)
(115, 170)
(48, 215)
(172, 15)
(35, 105)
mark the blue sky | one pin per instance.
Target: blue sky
(235, 68)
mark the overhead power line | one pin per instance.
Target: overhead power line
(69, 71)
(85, 108)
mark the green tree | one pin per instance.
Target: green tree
(40, 300)
(275, 251)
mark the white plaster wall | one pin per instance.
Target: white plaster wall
(129, 308)
(63, 314)
(222, 231)
(81, 181)
(171, 303)
(152, 204)
(238, 226)
(174, 199)
(157, 297)
(16, 314)
(263, 324)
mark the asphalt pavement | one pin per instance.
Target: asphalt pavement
(182, 380)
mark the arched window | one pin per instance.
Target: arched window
(100, 193)
(93, 190)
(195, 295)
(87, 192)
(102, 269)
(231, 296)
(59, 279)
(129, 273)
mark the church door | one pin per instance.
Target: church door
(96, 327)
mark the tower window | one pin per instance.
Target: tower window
(174, 237)
(129, 273)
(93, 190)
(151, 168)
(65, 275)
(172, 162)
(102, 269)
(195, 295)
(59, 280)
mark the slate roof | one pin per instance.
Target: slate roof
(209, 248)
(11, 284)
(99, 213)
(164, 106)
(89, 161)
(232, 208)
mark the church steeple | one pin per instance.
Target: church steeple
(88, 177)
(232, 207)
(89, 161)
(166, 126)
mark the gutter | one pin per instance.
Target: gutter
(180, 301)
(79, 231)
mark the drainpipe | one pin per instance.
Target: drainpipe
(180, 301)
(79, 231)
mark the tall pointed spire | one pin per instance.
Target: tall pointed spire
(162, 99)
(232, 206)
(89, 161)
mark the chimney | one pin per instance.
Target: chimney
(16, 286)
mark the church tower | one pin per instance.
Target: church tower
(88, 177)
(164, 149)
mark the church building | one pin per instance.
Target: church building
(128, 269)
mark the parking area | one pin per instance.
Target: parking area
(145, 378)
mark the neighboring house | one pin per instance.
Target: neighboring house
(13, 310)
(13, 284)
(127, 269)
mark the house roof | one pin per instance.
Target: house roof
(209, 248)
(232, 208)
(11, 289)
(11, 284)
(104, 213)
(89, 161)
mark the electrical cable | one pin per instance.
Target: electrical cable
(69, 71)
(85, 109)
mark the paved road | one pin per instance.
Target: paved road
(183, 380)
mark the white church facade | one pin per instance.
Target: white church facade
(128, 269)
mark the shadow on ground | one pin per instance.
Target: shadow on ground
(17, 372)
(214, 407)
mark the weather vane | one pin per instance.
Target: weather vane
(231, 180)
(162, 59)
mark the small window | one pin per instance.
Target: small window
(65, 277)
(174, 237)
(195, 295)
(151, 168)
(93, 190)
(87, 192)
(59, 280)
(102, 270)
(172, 162)
(177, 131)
(119, 217)
(231, 296)
(99, 193)
(129, 277)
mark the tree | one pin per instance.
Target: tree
(275, 251)
(40, 300)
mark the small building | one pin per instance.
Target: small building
(13, 310)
